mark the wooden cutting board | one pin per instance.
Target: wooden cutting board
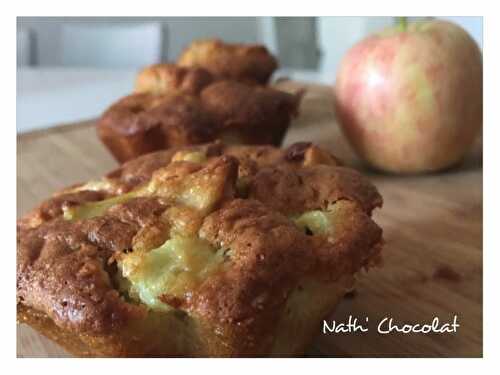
(432, 227)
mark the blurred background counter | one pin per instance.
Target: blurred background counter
(72, 68)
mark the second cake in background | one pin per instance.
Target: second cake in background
(215, 91)
(227, 110)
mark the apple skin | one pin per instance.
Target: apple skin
(410, 100)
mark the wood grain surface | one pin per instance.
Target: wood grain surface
(432, 227)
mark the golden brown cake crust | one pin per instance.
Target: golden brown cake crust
(66, 269)
(52, 208)
(250, 114)
(144, 122)
(251, 159)
(269, 256)
(241, 62)
(62, 266)
(170, 78)
(315, 188)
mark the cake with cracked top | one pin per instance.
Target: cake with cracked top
(209, 250)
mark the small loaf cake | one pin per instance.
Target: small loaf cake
(178, 107)
(207, 250)
(215, 91)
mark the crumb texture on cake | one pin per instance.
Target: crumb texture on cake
(164, 77)
(197, 251)
(241, 62)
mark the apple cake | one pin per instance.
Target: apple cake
(162, 78)
(249, 63)
(209, 250)
(177, 107)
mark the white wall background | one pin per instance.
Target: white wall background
(335, 34)
(180, 31)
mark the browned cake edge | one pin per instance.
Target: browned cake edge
(114, 345)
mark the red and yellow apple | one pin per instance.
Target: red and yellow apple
(409, 99)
